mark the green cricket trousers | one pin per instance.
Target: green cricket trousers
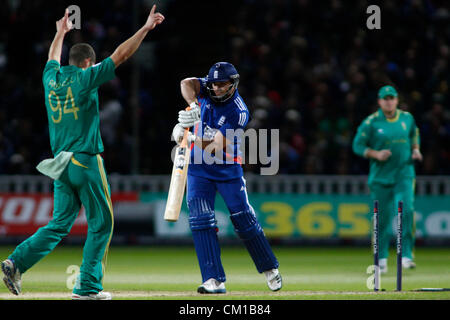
(84, 182)
(388, 197)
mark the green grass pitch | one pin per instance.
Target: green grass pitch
(140, 273)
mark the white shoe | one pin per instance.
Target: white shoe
(407, 263)
(383, 265)
(212, 286)
(102, 295)
(274, 281)
(12, 276)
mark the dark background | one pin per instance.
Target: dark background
(309, 68)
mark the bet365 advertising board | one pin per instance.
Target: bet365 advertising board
(281, 215)
(314, 216)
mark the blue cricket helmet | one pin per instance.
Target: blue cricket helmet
(221, 72)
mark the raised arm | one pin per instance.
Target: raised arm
(63, 26)
(129, 47)
(190, 88)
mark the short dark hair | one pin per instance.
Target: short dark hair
(80, 51)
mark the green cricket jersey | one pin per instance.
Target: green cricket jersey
(398, 135)
(71, 100)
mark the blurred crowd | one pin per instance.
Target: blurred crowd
(311, 69)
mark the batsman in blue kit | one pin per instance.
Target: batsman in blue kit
(216, 112)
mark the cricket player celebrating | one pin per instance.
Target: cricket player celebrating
(390, 139)
(71, 100)
(216, 108)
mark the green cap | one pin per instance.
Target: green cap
(387, 91)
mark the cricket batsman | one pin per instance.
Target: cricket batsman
(390, 139)
(71, 100)
(216, 109)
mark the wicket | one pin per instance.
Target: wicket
(375, 247)
(399, 245)
(375, 243)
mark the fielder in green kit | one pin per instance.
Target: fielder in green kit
(390, 139)
(71, 101)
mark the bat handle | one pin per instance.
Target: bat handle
(183, 143)
(187, 129)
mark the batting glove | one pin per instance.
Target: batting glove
(178, 134)
(189, 118)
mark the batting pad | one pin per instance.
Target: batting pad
(203, 226)
(250, 231)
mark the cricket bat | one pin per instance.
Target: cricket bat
(178, 180)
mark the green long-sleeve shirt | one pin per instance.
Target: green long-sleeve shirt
(71, 100)
(398, 135)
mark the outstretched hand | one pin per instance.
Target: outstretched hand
(416, 155)
(64, 25)
(153, 19)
